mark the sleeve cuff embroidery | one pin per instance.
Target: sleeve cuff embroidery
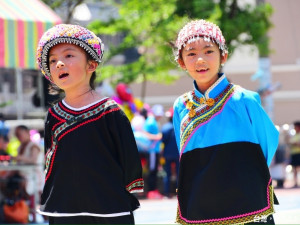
(135, 186)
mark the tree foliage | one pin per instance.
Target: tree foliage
(150, 25)
(68, 5)
(240, 23)
(147, 26)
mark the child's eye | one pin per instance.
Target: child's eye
(209, 51)
(69, 56)
(191, 54)
(51, 61)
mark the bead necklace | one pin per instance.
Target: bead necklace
(191, 105)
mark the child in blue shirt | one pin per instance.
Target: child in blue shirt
(225, 138)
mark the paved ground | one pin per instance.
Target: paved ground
(164, 211)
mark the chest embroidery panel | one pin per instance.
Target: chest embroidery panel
(66, 120)
(200, 111)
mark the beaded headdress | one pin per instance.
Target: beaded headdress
(197, 29)
(71, 34)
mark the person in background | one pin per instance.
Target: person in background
(3, 144)
(151, 128)
(279, 162)
(170, 151)
(29, 153)
(4, 130)
(294, 143)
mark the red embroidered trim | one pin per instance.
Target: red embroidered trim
(63, 134)
(140, 179)
(82, 111)
(52, 160)
(55, 116)
(135, 185)
(136, 188)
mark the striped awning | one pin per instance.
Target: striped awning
(22, 23)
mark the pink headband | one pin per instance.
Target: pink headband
(72, 34)
(197, 29)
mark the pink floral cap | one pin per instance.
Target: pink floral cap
(71, 34)
(197, 29)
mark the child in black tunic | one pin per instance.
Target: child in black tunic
(92, 162)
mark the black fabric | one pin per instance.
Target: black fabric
(222, 181)
(295, 159)
(152, 175)
(92, 220)
(96, 158)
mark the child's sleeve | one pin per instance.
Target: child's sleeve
(127, 151)
(176, 124)
(47, 133)
(266, 133)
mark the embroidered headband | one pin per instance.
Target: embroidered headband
(71, 34)
(197, 29)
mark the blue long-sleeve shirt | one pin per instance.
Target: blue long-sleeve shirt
(240, 117)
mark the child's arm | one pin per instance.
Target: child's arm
(47, 134)
(126, 148)
(266, 133)
(176, 124)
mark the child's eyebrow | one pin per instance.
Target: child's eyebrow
(65, 50)
(193, 48)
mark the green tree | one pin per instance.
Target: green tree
(240, 23)
(69, 5)
(147, 26)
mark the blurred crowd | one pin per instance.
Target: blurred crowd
(158, 151)
(18, 185)
(285, 167)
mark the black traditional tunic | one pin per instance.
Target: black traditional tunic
(92, 162)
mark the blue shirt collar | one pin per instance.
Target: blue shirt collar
(214, 89)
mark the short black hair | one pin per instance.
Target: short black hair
(297, 123)
(22, 127)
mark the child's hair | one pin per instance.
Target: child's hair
(22, 127)
(297, 124)
(71, 34)
(196, 29)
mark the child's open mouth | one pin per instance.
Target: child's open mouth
(202, 70)
(63, 75)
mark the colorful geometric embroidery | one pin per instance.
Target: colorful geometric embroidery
(202, 113)
(239, 219)
(67, 121)
(135, 186)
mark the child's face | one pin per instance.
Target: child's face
(69, 67)
(202, 60)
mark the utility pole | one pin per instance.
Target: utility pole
(264, 77)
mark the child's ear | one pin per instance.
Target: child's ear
(92, 66)
(181, 63)
(224, 58)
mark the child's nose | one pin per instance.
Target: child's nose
(200, 60)
(59, 64)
